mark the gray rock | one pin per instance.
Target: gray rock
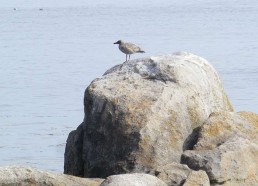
(234, 162)
(135, 179)
(227, 149)
(173, 174)
(176, 174)
(139, 115)
(26, 176)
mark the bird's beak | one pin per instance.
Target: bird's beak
(116, 42)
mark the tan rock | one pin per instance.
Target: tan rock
(197, 178)
(227, 149)
(26, 176)
(232, 163)
(222, 126)
(250, 117)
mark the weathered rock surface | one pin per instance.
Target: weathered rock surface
(227, 150)
(251, 117)
(176, 174)
(197, 178)
(26, 176)
(136, 179)
(139, 115)
(173, 174)
(222, 126)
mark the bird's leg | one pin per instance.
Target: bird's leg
(129, 56)
(126, 57)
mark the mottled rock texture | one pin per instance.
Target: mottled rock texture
(251, 117)
(173, 174)
(26, 176)
(176, 174)
(140, 115)
(135, 179)
(222, 126)
(227, 149)
(197, 178)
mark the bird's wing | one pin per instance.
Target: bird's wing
(125, 49)
(132, 47)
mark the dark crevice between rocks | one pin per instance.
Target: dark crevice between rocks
(192, 139)
(182, 182)
(194, 164)
(156, 173)
(219, 183)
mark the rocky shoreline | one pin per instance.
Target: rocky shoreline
(162, 120)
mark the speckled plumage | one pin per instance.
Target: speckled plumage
(128, 48)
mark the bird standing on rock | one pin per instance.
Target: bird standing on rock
(128, 48)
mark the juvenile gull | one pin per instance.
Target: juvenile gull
(128, 48)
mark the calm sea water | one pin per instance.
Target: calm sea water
(49, 57)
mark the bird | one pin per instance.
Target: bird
(128, 48)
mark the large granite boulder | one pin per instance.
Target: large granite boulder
(26, 176)
(136, 179)
(140, 115)
(227, 149)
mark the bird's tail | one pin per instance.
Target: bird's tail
(141, 51)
